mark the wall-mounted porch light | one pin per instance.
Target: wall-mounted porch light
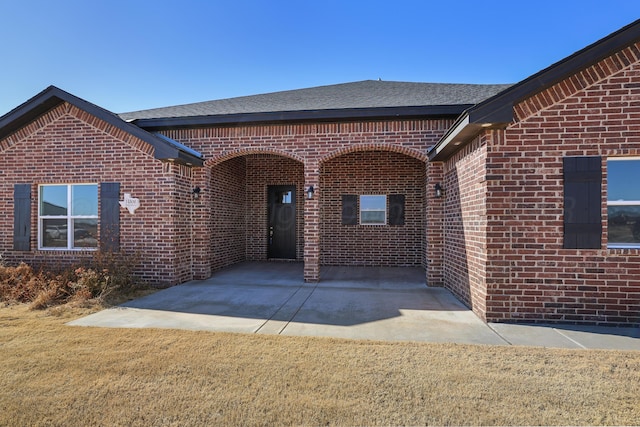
(310, 192)
(439, 190)
(196, 192)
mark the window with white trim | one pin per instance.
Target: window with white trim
(68, 216)
(623, 202)
(373, 210)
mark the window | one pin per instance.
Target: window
(283, 197)
(623, 202)
(68, 216)
(373, 210)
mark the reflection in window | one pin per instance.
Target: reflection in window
(84, 200)
(373, 210)
(284, 197)
(623, 202)
(64, 228)
(53, 200)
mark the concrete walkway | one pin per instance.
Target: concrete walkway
(390, 304)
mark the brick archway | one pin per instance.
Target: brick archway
(238, 207)
(411, 152)
(396, 172)
(240, 152)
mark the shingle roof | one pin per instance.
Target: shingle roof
(358, 95)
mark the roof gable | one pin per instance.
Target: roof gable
(164, 148)
(498, 110)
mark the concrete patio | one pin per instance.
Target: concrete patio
(376, 303)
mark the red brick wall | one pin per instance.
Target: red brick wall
(530, 276)
(67, 145)
(311, 142)
(177, 235)
(203, 224)
(227, 213)
(311, 145)
(465, 217)
(372, 172)
(177, 213)
(434, 226)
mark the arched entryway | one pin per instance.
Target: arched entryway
(256, 208)
(372, 208)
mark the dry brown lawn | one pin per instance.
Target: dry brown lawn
(57, 375)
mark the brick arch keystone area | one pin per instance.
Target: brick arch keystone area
(249, 151)
(411, 152)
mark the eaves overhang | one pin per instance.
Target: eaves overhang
(375, 113)
(498, 111)
(466, 127)
(52, 96)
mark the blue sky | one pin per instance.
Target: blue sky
(131, 55)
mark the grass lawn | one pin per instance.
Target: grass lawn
(55, 375)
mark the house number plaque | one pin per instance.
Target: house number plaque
(131, 203)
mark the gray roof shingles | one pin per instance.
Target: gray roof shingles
(364, 94)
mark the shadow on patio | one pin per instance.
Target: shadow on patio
(272, 298)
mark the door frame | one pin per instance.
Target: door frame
(271, 189)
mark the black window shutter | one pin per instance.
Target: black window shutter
(22, 217)
(582, 202)
(110, 216)
(396, 209)
(349, 209)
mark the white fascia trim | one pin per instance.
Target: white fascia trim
(462, 123)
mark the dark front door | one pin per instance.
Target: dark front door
(282, 222)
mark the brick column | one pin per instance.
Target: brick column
(202, 227)
(173, 257)
(312, 223)
(434, 228)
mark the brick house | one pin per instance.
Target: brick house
(522, 199)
